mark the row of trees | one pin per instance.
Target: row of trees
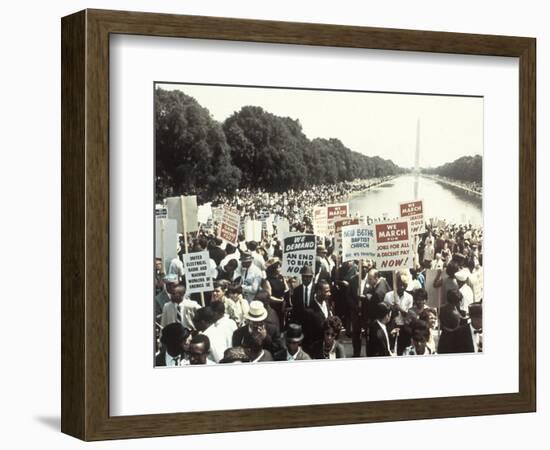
(467, 168)
(253, 148)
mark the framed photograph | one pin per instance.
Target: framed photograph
(271, 224)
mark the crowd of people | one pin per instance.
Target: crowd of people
(256, 314)
(469, 185)
(295, 206)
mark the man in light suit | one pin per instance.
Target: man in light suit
(250, 277)
(179, 309)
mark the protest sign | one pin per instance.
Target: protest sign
(298, 250)
(283, 228)
(320, 224)
(184, 210)
(476, 279)
(166, 241)
(338, 225)
(267, 225)
(393, 245)
(229, 226)
(336, 211)
(358, 242)
(217, 214)
(204, 212)
(198, 277)
(414, 211)
(253, 230)
(160, 212)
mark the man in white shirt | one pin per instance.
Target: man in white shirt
(176, 268)
(223, 323)
(251, 277)
(400, 301)
(462, 277)
(259, 260)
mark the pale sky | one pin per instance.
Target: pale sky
(376, 124)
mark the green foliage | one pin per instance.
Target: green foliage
(252, 148)
(467, 168)
(192, 154)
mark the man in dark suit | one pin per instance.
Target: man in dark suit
(173, 340)
(215, 251)
(469, 338)
(302, 297)
(357, 306)
(293, 350)
(316, 314)
(379, 340)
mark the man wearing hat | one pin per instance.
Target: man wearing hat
(302, 297)
(254, 336)
(293, 351)
(255, 328)
(173, 340)
(251, 277)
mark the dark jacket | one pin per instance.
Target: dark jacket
(461, 340)
(314, 320)
(281, 355)
(160, 359)
(377, 344)
(318, 353)
(272, 342)
(298, 304)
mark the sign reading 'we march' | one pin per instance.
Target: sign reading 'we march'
(394, 249)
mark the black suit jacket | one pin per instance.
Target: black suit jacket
(377, 344)
(313, 323)
(461, 340)
(217, 254)
(160, 359)
(317, 350)
(298, 304)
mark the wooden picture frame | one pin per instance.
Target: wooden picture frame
(85, 224)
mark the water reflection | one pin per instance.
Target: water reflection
(440, 200)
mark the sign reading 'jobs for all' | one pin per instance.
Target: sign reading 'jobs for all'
(414, 211)
(393, 246)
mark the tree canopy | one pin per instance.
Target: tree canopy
(466, 168)
(252, 148)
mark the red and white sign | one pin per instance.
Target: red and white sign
(229, 227)
(336, 211)
(414, 211)
(393, 245)
(320, 224)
